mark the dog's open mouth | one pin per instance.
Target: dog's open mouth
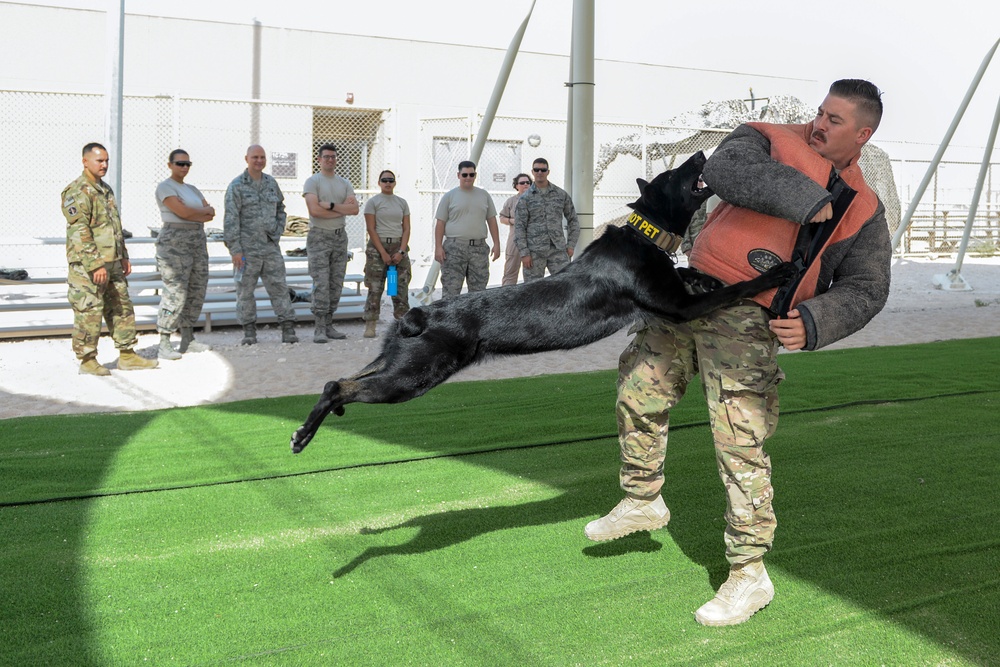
(700, 187)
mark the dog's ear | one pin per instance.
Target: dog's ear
(641, 182)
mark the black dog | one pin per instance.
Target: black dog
(618, 278)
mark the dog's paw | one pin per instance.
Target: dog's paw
(298, 442)
(781, 273)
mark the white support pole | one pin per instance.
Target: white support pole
(498, 88)
(568, 161)
(932, 167)
(583, 118)
(953, 280)
(114, 93)
(423, 295)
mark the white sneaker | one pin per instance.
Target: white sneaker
(629, 516)
(747, 590)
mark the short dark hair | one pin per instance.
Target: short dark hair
(91, 146)
(466, 164)
(518, 177)
(865, 95)
(384, 172)
(541, 160)
(326, 147)
(178, 151)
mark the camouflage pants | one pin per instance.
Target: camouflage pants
(327, 251)
(735, 353)
(182, 260)
(555, 259)
(269, 266)
(375, 270)
(92, 303)
(464, 263)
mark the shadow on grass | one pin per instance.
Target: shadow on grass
(882, 505)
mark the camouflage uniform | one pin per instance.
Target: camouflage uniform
(182, 260)
(254, 221)
(94, 240)
(327, 249)
(735, 353)
(538, 229)
(375, 270)
(467, 261)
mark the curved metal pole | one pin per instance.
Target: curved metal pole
(905, 222)
(953, 279)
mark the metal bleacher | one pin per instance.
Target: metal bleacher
(37, 306)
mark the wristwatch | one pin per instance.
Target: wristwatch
(332, 205)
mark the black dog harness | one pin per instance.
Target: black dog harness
(654, 233)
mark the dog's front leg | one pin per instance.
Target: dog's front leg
(329, 401)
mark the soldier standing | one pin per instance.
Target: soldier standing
(538, 225)
(329, 198)
(254, 222)
(463, 216)
(98, 266)
(181, 257)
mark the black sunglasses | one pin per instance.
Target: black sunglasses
(539, 170)
(183, 163)
(472, 175)
(524, 183)
(387, 180)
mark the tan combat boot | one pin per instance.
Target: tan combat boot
(629, 516)
(128, 360)
(747, 590)
(91, 367)
(370, 329)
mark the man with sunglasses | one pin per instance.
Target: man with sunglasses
(329, 198)
(464, 215)
(538, 225)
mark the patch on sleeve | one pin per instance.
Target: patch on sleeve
(70, 205)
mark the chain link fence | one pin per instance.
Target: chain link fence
(44, 131)
(47, 130)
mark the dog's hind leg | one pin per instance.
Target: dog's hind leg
(330, 401)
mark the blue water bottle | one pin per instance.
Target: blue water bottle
(391, 281)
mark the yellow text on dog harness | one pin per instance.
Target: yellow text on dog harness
(661, 238)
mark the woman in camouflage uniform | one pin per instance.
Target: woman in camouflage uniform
(387, 219)
(181, 257)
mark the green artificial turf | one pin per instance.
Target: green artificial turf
(448, 530)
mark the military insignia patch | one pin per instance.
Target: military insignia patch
(763, 259)
(71, 210)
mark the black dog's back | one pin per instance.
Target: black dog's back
(618, 278)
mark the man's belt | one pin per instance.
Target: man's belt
(654, 233)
